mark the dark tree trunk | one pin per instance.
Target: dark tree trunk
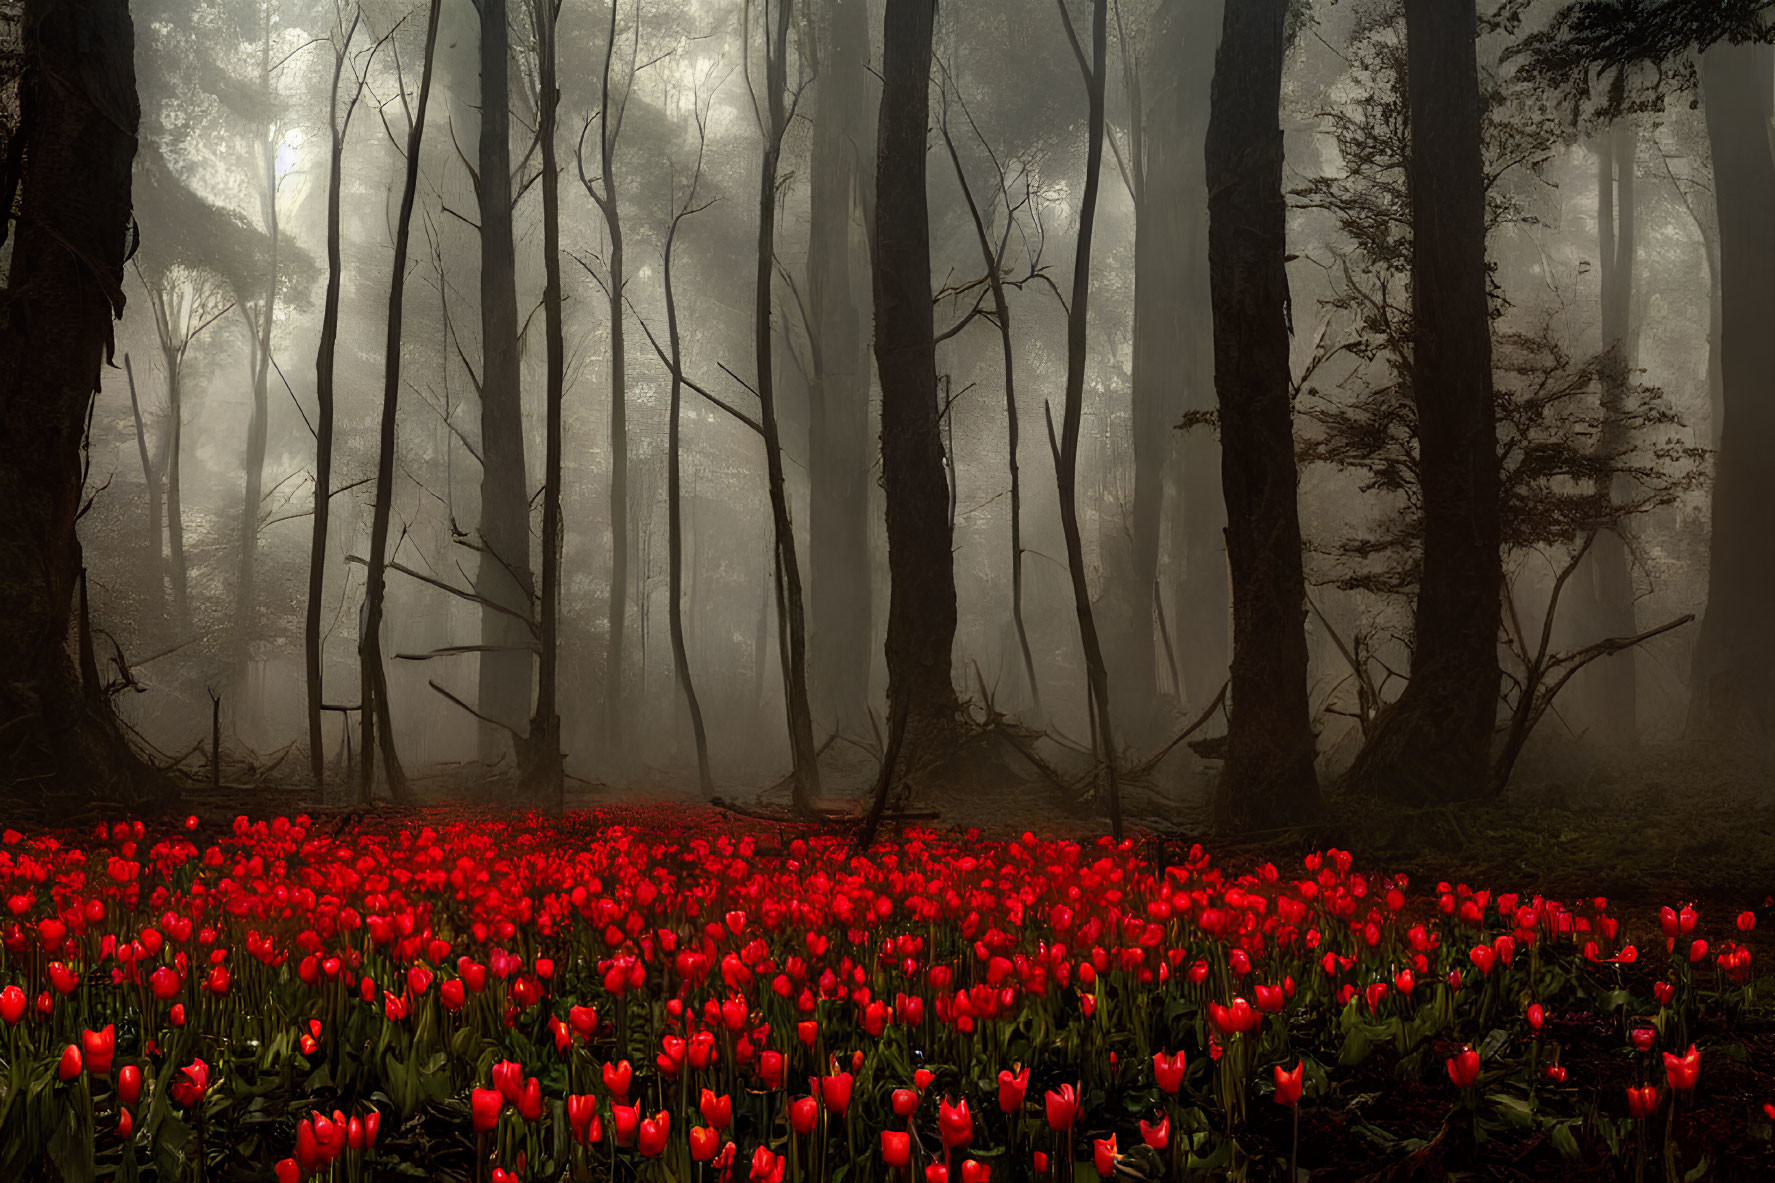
(151, 484)
(372, 675)
(323, 429)
(839, 583)
(1435, 742)
(544, 775)
(790, 609)
(79, 116)
(1268, 779)
(609, 127)
(1612, 684)
(503, 574)
(246, 596)
(674, 497)
(921, 566)
(1733, 680)
(1066, 448)
(175, 509)
(1198, 528)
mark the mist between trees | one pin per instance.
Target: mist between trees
(685, 383)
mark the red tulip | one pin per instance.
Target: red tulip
(450, 993)
(1289, 1083)
(770, 1069)
(803, 1112)
(1643, 1038)
(836, 1091)
(975, 1171)
(1269, 998)
(1011, 1090)
(717, 1111)
(129, 1084)
(1168, 1071)
(1698, 950)
(1157, 1136)
(1556, 1073)
(705, 1143)
(99, 1047)
(1664, 992)
(1103, 1155)
(766, 1167)
(1063, 1107)
(508, 1078)
(1643, 1101)
(485, 1105)
(896, 1148)
(1536, 1016)
(626, 1119)
(936, 1173)
(617, 1079)
(287, 1171)
(1746, 921)
(955, 1124)
(1463, 1068)
(921, 1078)
(904, 1102)
(653, 1134)
(529, 1103)
(189, 1088)
(1681, 1071)
(69, 1067)
(12, 1005)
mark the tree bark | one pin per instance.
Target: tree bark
(503, 574)
(1435, 742)
(921, 565)
(79, 116)
(323, 428)
(609, 127)
(674, 495)
(791, 610)
(1268, 779)
(1066, 449)
(372, 675)
(1733, 679)
(544, 775)
(1199, 580)
(258, 423)
(151, 486)
(1612, 682)
(839, 583)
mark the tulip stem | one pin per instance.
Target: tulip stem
(1294, 1146)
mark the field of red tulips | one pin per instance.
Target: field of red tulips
(668, 995)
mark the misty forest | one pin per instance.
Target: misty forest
(854, 493)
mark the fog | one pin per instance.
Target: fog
(1603, 240)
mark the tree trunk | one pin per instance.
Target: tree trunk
(79, 115)
(503, 574)
(258, 424)
(1435, 742)
(1612, 682)
(839, 582)
(1733, 681)
(1268, 779)
(372, 675)
(544, 775)
(175, 510)
(323, 450)
(791, 610)
(674, 506)
(921, 566)
(614, 732)
(1066, 449)
(151, 486)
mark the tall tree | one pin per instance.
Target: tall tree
(1066, 448)
(544, 773)
(79, 116)
(774, 20)
(1733, 680)
(674, 478)
(502, 577)
(1614, 683)
(602, 190)
(372, 675)
(325, 354)
(921, 565)
(839, 582)
(1268, 776)
(1435, 741)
